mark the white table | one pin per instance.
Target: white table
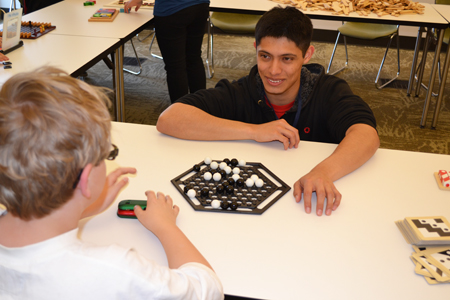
(71, 18)
(68, 53)
(357, 253)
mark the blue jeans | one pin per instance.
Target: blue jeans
(180, 38)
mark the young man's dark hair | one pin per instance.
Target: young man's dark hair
(286, 22)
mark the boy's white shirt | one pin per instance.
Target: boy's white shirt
(63, 267)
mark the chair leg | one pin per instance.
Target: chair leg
(332, 56)
(150, 47)
(384, 58)
(138, 61)
(209, 51)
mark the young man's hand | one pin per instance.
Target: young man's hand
(278, 130)
(315, 181)
(160, 214)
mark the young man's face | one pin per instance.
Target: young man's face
(280, 63)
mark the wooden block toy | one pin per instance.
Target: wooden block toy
(104, 15)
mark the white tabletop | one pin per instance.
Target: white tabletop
(68, 53)
(357, 253)
(443, 9)
(71, 18)
(429, 18)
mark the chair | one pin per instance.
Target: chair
(368, 32)
(228, 23)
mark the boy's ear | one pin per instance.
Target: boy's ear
(308, 55)
(83, 184)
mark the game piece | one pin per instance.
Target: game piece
(207, 176)
(207, 160)
(249, 182)
(234, 162)
(259, 182)
(204, 192)
(422, 231)
(122, 10)
(126, 208)
(88, 3)
(443, 179)
(228, 169)
(222, 165)
(217, 176)
(196, 168)
(215, 204)
(230, 189)
(236, 170)
(254, 177)
(191, 193)
(241, 162)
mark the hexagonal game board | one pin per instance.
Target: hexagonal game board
(230, 186)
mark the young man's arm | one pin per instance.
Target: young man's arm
(360, 143)
(189, 122)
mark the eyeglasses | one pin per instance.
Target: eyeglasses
(111, 156)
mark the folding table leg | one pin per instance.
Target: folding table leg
(414, 62)
(432, 78)
(424, 60)
(441, 89)
(119, 89)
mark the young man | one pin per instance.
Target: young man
(282, 99)
(54, 138)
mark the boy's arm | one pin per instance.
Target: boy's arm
(160, 218)
(360, 143)
(189, 122)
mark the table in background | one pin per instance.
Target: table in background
(357, 253)
(71, 18)
(69, 53)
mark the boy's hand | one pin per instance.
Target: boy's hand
(160, 214)
(110, 191)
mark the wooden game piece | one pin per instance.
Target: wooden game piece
(443, 180)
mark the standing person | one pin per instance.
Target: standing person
(180, 26)
(284, 99)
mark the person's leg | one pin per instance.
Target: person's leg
(194, 62)
(171, 37)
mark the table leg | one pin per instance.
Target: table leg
(441, 88)
(424, 60)
(414, 62)
(118, 74)
(432, 78)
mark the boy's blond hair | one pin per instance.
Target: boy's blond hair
(51, 127)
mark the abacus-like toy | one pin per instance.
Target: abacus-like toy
(230, 186)
(33, 30)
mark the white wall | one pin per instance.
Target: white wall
(7, 3)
